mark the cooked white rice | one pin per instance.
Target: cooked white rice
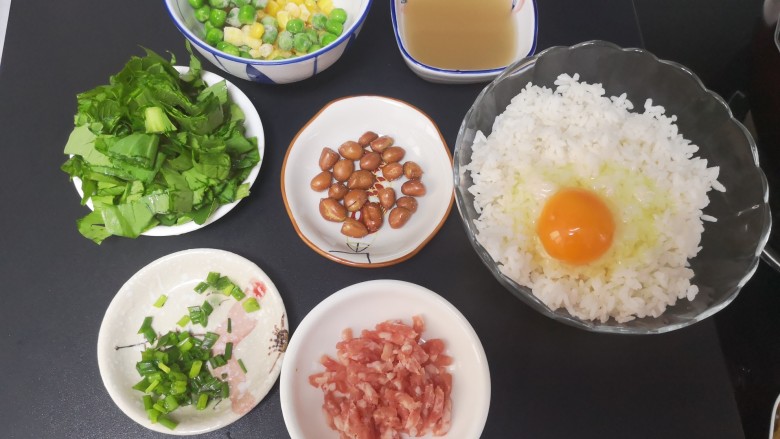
(575, 136)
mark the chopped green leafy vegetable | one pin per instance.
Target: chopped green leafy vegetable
(161, 301)
(155, 147)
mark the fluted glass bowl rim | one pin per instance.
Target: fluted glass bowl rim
(524, 293)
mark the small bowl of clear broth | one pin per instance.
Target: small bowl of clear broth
(463, 41)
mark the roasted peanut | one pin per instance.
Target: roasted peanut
(392, 171)
(361, 180)
(354, 228)
(355, 199)
(370, 161)
(332, 210)
(328, 158)
(412, 170)
(407, 203)
(414, 188)
(381, 144)
(398, 217)
(393, 154)
(367, 138)
(386, 197)
(351, 150)
(371, 215)
(337, 191)
(321, 181)
(343, 169)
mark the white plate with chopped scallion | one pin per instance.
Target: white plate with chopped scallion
(193, 341)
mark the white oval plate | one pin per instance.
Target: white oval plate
(346, 119)
(175, 276)
(362, 306)
(253, 128)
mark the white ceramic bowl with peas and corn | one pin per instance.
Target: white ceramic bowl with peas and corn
(249, 41)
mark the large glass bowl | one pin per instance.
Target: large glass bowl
(731, 247)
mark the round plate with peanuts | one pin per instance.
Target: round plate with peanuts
(367, 182)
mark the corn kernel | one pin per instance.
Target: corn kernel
(254, 43)
(274, 53)
(293, 9)
(265, 50)
(234, 36)
(298, 2)
(282, 17)
(255, 53)
(256, 30)
(311, 5)
(325, 6)
(305, 14)
(272, 8)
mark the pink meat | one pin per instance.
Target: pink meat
(387, 383)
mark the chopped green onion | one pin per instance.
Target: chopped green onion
(185, 345)
(195, 369)
(201, 287)
(163, 367)
(160, 301)
(167, 422)
(209, 339)
(241, 365)
(225, 390)
(147, 402)
(183, 321)
(237, 293)
(230, 326)
(203, 400)
(154, 415)
(251, 305)
(212, 278)
(228, 350)
(198, 316)
(207, 308)
(141, 385)
(152, 386)
(170, 403)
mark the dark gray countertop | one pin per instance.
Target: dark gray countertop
(549, 380)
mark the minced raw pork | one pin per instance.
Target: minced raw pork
(387, 382)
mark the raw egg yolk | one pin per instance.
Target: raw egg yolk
(575, 226)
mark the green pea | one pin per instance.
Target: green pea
(240, 3)
(318, 20)
(202, 13)
(196, 3)
(339, 15)
(214, 36)
(217, 17)
(312, 34)
(219, 3)
(270, 34)
(269, 21)
(207, 26)
(302, 43)
(232, 18)
(327, 38)
(334, 27)
(247, 14)
(279, 58)
(228, 48)
(295, 25)
(314, 48)
(244, 54)
(260, 4)
(285, 41)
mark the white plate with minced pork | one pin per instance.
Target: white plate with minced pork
(362, 307)
(619, 247)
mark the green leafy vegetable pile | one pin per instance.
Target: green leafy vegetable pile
(154, 147)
